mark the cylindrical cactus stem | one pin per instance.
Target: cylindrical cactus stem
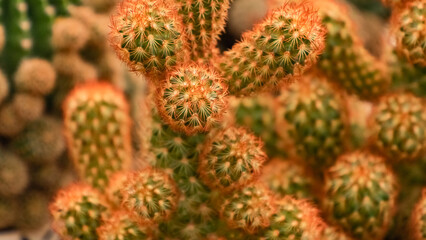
(294, 219)
(204, 21)
(231, 159)
(280, 48)
(97, 130)
(417, 221)
(409, 23)
(360, 194)
(18, 34)
(78, 211)
(120, 226)
(150, 196)
(42, 16)
(250, 208)
(333, 233)
(312, 119)
(398, 126)
(61, 7)
(148, 36)
(192, 99)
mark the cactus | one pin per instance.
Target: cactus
(8, 212)
(417, 222)
(77, 212)
(249, 209)
(409, 26)
(14, 175)
(312, 117)
(35, 76)
(286, 177)
(101, 6)
(257, 113)
(150, 196)
(294, 219)
(10, 123)
(231, 159)
(4, 87)
(69, 34)
(41, 14)
(97, 130)
(360, 193)
(205, 21)
(33, 211)
(333, 233)
(120, 226)
(398, 123)
(148, 36)
(115, 185)
(287, 42)
(41, 142)
(28, 107)
(192, 100)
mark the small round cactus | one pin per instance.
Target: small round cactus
(231, 159)
(148, 36)
(360, 194)
(294, 219)
(249, 208)
(41, 142)
(10, 123)
(8, 211)
(192, 100)
(33, 210)
(4, 87)
(312, 118)
(120, 226)
(115, 185)
(150, 196)
(399, 126)
(409, 23)
(14, 174)
(28, 107)
(69, 34)
(35, 76)
(77, 212)
(287, 177)
(417, 221)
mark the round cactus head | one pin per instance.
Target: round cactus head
(148, 36)
(231, 159)
(120, 226)
(192, 99)
(418, 216)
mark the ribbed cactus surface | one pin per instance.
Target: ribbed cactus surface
(119, 226)
(418, 219)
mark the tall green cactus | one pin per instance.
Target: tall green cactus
(41, 14)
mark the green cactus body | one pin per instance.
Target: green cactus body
(192, 100)
(360, 193)
(41, 142)
(399, 126)
(333, 233)
(205, 21)
(313, 117)
(249, 209)
(150, 196)
(18, 34)
(148, 36)
(285, 177)
(294, 219)
(345, 61)
(121, 226)
(78, 211)
(417, 221)
(42, 17)
(113, 191)
(14, 174)
(231, 159)
(281, 47)
(97, 130)
(258, 114)
(61, 7)
(409, 23)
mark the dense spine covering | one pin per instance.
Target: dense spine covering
(249, 208)
(231, 159)
(77, 212)
(32, 212)
(417, 221)
(287, 177)
(257, 113)
(35, 76)
(204, 21)
(312, 118)
(398, 126)
(61, 7)
(360, 193)
(97, 130)
(150, 196)
(280, 48)
(14, 174)
(294, 219)
(409, 23)
(119, 226)
(333, 233)
(18, 34)
(4, 87)
(192, 99)
(42, 16)
(115, 185)
(148, 36)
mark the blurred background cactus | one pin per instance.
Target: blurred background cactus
(213, 119)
